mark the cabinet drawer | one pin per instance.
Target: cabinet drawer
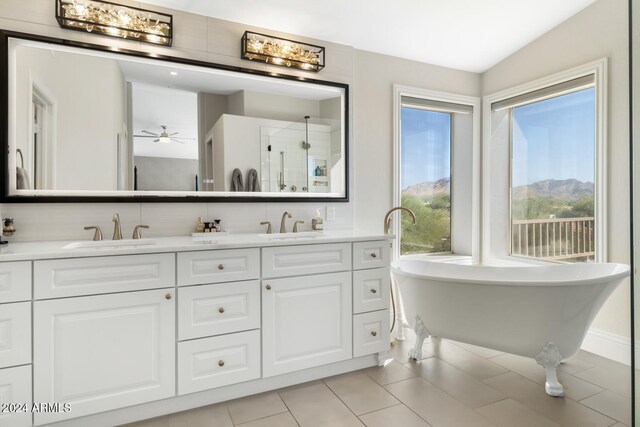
(371, 290)
(370, 333)
(15, 387)
(215, 362)
(15, 281)
(218, 309)
(15, 334)
(199, 268)
(305, 259)
(84, 276)
(370, 254)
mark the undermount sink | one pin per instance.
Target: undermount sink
(286, 236)
(110, 243)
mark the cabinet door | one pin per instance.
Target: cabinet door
(306, 322)
(104, 352)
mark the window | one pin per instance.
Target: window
(544, 168)
(425, 179)
(435, 133)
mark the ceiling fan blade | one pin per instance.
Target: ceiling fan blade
(150, 133)
(156, 140)
(144, 136)
(175, 140)
(175, 133)
(184, 138)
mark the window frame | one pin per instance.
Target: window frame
(474, 102)
(599, 70)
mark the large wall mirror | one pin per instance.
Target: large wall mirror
(88, 123)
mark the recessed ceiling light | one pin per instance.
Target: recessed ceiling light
(173, 73)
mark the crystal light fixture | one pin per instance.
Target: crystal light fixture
(283, 52)
(115, 20)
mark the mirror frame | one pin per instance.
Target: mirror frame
(6, 197)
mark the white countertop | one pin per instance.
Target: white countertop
(20, 251)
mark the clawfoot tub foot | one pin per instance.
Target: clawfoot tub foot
(421, 334)
(549, 358)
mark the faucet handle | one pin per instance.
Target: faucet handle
(295, 226)
(98, 233)
(268, 224)
(136, 231)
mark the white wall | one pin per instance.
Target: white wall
(600, 30)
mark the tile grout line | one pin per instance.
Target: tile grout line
(598, 411)
(288, 409)
(343, 402)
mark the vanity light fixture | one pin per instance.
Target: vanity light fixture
(115, 20)
(283, 52)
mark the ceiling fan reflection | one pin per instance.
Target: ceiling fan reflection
(164, 137)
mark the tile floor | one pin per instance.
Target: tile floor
(455, 384)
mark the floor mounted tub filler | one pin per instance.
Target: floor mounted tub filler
(542, 312)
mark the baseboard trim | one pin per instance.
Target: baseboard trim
(605, 344)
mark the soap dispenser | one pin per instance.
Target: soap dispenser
(317, 223)
(199, 225)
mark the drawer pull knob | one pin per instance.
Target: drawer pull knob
(220, 267)
(268, 287)
(167, 296)
(221, 363)
(221, 309)
(373, 291)
(373, 255)
(374, 333)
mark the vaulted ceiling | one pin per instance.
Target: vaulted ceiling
(470, 35)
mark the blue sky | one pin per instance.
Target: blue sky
(554, 139)
(425, 142)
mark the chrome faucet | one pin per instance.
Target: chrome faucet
(283, 226)
(295, 226)
(117, 231)
(387, 217)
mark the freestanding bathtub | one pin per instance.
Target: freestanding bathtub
(541, 312)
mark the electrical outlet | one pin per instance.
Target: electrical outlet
(331, 213)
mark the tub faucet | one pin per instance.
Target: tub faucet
(117, 231)
(387, 217)
(283, 226)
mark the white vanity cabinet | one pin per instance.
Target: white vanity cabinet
(125, 334)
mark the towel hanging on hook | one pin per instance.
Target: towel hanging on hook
(22, 176)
